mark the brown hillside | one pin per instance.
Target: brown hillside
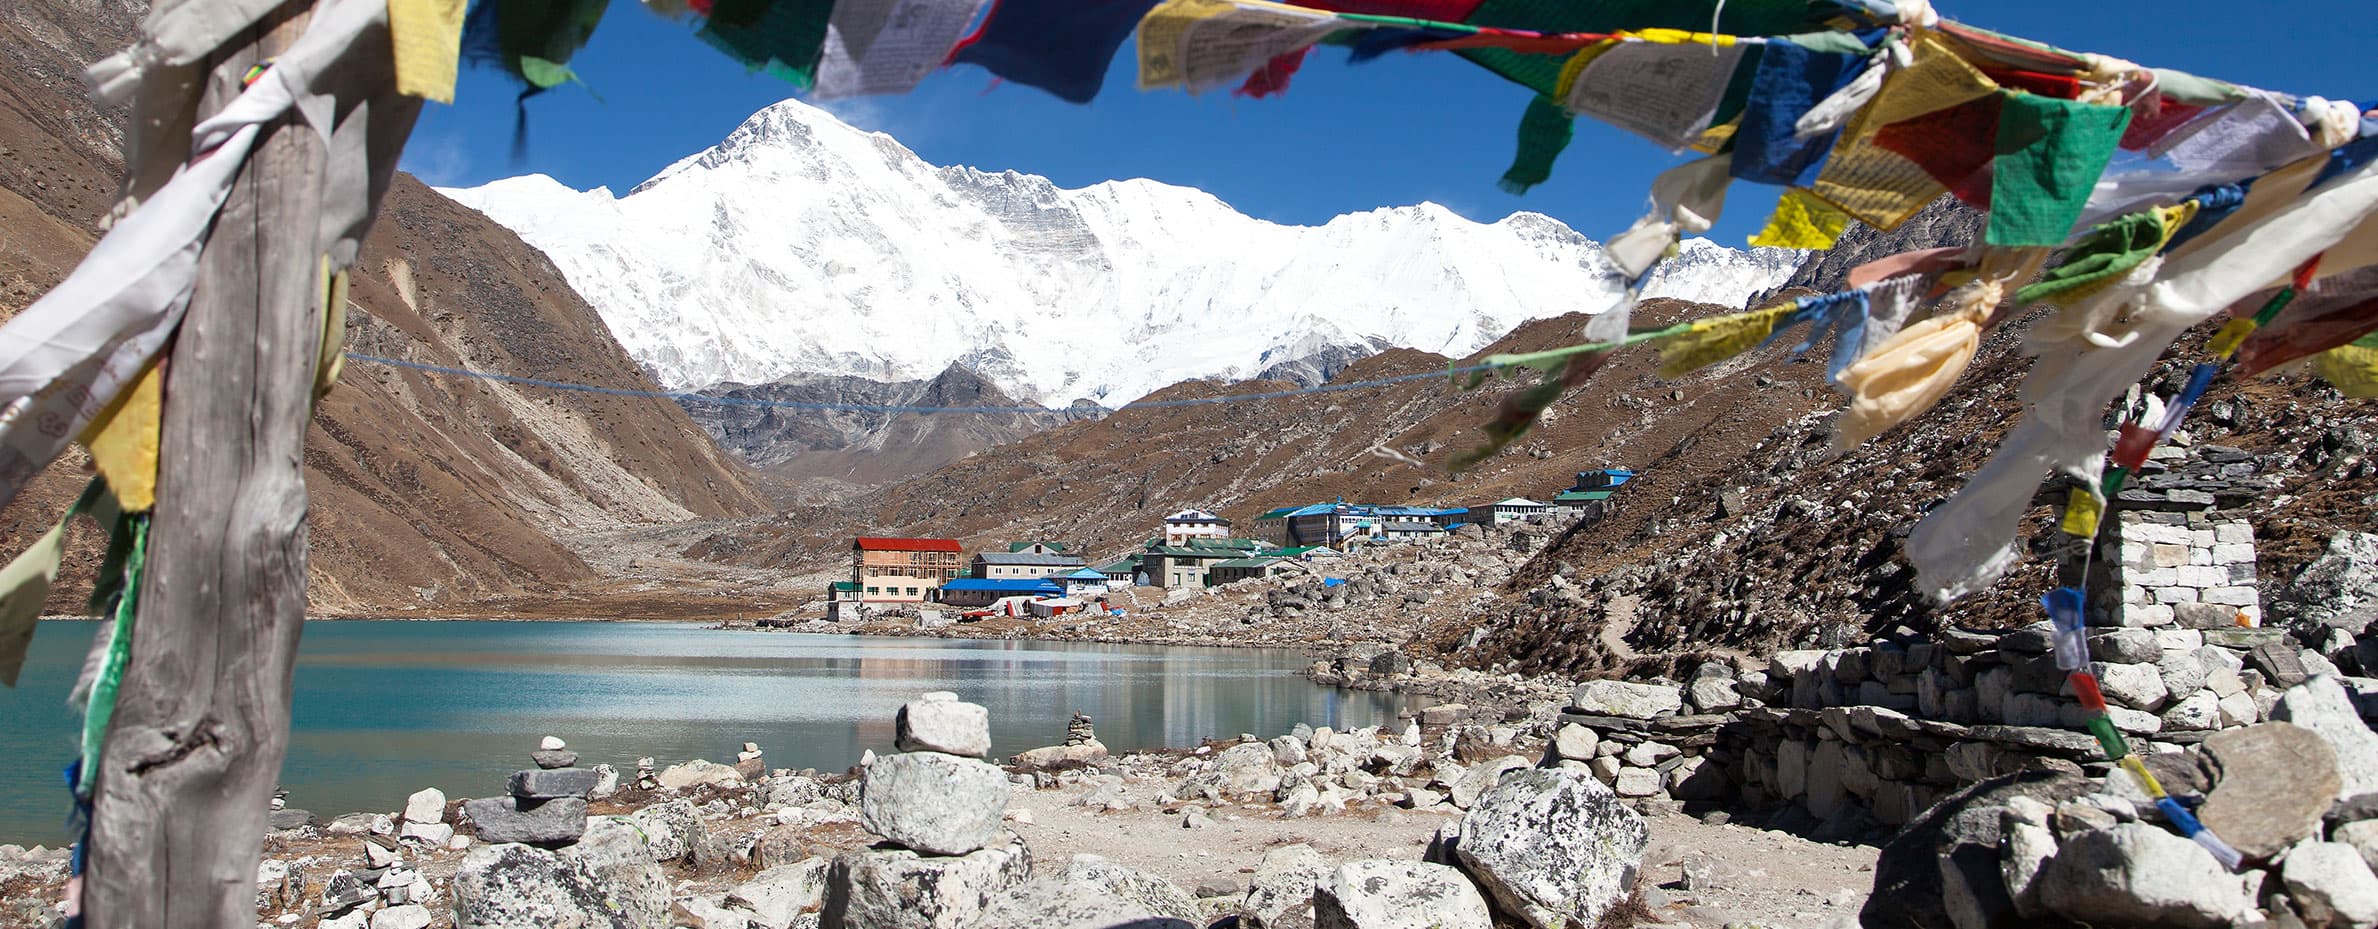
(429, 493)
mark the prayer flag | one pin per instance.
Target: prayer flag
(2050, 153)
(1060, 46)
(1788, 82)
(888, 46)
(427, 40)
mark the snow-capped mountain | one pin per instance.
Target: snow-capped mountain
(800, 245)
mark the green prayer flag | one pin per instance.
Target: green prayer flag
(2050, 153)
(1544, 131)
(2108, 251)
(786, 39)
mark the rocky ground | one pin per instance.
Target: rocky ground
(1250, 829)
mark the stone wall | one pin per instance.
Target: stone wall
(1874, 735)
(2190, 569)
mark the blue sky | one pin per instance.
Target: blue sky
(1345, 138)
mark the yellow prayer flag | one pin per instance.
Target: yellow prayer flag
(123, 441)
(2225, 343)
(2082, 509)
(1802, 220)
(2353, 368)
(427, 35)
(1876, 184)
(1718, 338)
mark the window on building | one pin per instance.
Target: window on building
(872, 590)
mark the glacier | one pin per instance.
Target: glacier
(800, 245)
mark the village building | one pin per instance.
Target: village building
(1005, 565)
(1505, 512)
(1087, 582)
(1333, 524)
(898, 570)
(975, 592)
(1243, 569)
(1041, 548)
(1189, 527)
(1172, 566)
(1407, 530)
(1587, 497)
(1124, 572)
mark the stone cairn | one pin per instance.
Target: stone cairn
(1078, 731)
(939, 808)
(546, 805)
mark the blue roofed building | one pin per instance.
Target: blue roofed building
(983, 591)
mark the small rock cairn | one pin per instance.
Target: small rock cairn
(939, 808)
(1078, 731)
(547, 803)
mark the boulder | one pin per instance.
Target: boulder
(2321, 705)
(1627, 699)
(1712, 694)
(674, 829)
(1054, 755)
(1139, 888)
(1244, 770)
(2363, 836)
(1482, 776)
(1382, 894)
(1552, 847)
(1056, 903)
(1575, 742)
(2272, 783)
(947, 726)
(2136, 874)
(514, 886)
(620, 860)
(698, 771)
(2331, 886)
(1281, 895)
(936, 803)
(894, 888)
(541, 784)
(1949, 858)
(778, 895)
(552, 822)
(407, 916)
(427, 805)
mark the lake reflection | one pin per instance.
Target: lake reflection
(386, 708)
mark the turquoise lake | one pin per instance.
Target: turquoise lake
(385, 708)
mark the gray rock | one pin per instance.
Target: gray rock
(1056, 903)
(1244, 770)
(1627, 699)
(700, 771)
(1145, 891)
(1711, 694)
(1288, 751)
(1637, 782)
(778, 895)
(2183, 673)
(1575, 742)
(706, 913)
(674, 829)
(2271, 785)
(2363, 836)
(950, 727)
(540, 784)
(343, 891)
(1281, 895)
(2320, 704)
(289, 818)
(1948, 860)
(406, 916)
(936, 803)
(2124, 646)
(1480, 777)
(555, 758)
(2140, 875)
(1552, 846)
(427, 805)
(606, 782)
(502, 819)
(894, 888)
(2138, 686)
(2197, 711)
(513, 886)
(620, 860)
(2331, 886)
(2029, 845)
(1382, 894)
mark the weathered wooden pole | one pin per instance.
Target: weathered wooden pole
(202, 720)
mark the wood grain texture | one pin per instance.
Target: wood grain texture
(195, 746)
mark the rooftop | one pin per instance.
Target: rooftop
(889, 544)
(1027, 558)
(1247, 563)
(1017, 585)
(1409, 526)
